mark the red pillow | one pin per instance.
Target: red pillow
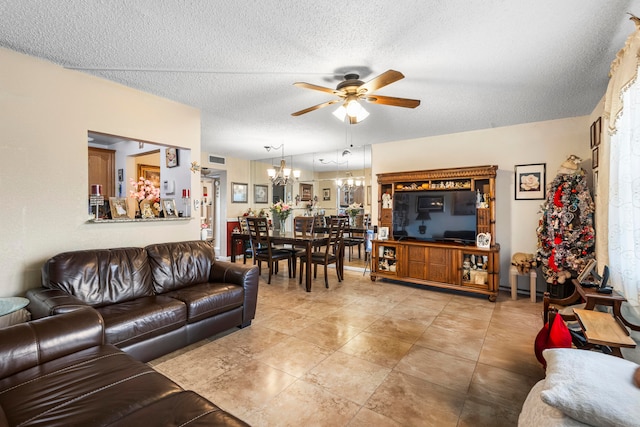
(558, 336)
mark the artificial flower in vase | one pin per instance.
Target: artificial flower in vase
(353, 210)
(142, 190)
(281, 211)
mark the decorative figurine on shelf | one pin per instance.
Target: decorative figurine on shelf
(478, 199)
(386, 201)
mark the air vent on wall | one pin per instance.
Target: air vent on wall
(218, 160)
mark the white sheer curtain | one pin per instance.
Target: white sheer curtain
(624, 197)
(618, 220)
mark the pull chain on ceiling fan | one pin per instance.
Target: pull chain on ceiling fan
(352, 90)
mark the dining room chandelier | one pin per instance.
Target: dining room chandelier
(281, 175)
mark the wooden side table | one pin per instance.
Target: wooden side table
(603, 329)
(592, 298)
(513, 281)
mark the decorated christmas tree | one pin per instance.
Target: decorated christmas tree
(566, 237)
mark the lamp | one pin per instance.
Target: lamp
(352, 108)
(423, 216)
(282, 174)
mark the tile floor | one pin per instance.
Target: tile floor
(365, 353)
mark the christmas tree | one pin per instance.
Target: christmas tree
(566, 237)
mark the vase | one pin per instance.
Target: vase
(352, 220)
(282, 224)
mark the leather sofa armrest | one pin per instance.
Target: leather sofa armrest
(47, 302)
(26, 345)
(241, 275)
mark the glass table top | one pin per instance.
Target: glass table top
(10, 304)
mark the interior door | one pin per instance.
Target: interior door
(102, 171)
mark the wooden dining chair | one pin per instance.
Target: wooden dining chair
(331, 255)
(263, 250)
(352, 238)
(247, 250)
(302, 227)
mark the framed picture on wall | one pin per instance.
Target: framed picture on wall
(306, 192)
(530, 181)
(172, 157)
(326, 194)
(151, 173)
(260, 193)
(239, 193)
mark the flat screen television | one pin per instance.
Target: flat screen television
(435, 216)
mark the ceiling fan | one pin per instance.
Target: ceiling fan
(352, 90)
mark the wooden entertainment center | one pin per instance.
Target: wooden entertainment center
(459, 266)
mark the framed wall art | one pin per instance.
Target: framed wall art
(239, 193)
(152, 173)
(596, 132)
(326, 194)
(530, 181)
(260, 193)
(172, 157)
(306, 192)
(594, 158)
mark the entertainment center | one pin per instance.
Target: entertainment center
(433, 218)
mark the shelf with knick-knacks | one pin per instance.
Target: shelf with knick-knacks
(475, 268)
(386, 259)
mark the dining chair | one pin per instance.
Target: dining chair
(247, 250)
(263, 250)
(352, 238)
(302, 227)
(332, 254)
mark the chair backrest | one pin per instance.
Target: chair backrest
(303, 226)
(258, 232)
(318, 221)
(336, 229)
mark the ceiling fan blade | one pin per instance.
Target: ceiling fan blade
(382, 80)
(390, 100)
(315, 107)
(316, 87)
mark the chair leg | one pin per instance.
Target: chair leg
(293, 263)
(326, 277)
(301, 268)
(289, 267)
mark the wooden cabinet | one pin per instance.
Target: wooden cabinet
(442, 264)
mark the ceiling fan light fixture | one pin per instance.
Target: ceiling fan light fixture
(271, 172)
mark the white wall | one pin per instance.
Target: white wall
(45, 113)
(549, 142)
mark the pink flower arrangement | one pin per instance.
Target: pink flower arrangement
(144, 189)
(281, 210)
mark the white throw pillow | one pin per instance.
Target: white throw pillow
(594, 388)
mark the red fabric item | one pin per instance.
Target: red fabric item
(556, 337)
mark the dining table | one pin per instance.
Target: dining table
(277, 237)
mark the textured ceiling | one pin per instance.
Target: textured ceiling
(474, 65)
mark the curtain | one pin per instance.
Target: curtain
(621, 222)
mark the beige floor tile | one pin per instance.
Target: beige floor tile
(293, 356)
(502, 387)
(327, 335)
(439, 368)
(348, 376)
(466, 343)
(251, 340)
(404, 330)
(513, 353)
(411, 401)
(248, 386)
(367, 418)
(286, 321)
(303, 404)
(381, 350)
(472, 307)
(350, 317)
(477, 413)
(413, 313)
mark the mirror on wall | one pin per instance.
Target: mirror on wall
(331, 180)
(113, 161)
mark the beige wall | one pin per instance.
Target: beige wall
(45, 113)
(549, 142)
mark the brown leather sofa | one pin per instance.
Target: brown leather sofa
(56, 371)
(153, 300)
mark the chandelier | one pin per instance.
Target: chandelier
(349, 183)
(280, 175)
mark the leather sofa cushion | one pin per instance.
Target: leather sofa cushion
(134, 321)
(181, 409)
(180, 264)
(208, 299)
(101, 276)
(97, 386)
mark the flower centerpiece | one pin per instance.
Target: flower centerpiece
(353, 210)
(142, 190)
(281, 212)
